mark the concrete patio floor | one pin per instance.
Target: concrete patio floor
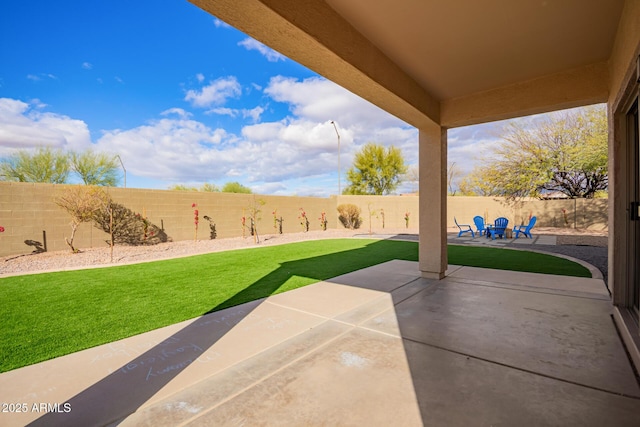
(379, 346)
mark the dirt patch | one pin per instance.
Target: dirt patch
(600, 241)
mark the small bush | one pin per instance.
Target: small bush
(349, 216)
(82, 203)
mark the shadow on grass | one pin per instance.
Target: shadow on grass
(129, 387)
(321, 268)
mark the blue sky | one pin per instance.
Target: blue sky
(183, 98)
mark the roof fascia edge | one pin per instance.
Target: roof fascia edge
(314, 35)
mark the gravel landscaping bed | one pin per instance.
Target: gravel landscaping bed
(100, 257)
(585, 245)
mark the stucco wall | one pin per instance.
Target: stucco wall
(26, 210)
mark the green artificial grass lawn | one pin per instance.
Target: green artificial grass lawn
(48, 315)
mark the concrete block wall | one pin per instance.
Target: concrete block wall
(26, 210)
(394, 207)
(562, 213)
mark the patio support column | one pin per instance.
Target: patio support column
(433, 201)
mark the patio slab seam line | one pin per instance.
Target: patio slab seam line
(523, 288)
(380, 297)
(299, 310)
(523, 369)
(325, 319)
(344, 322)
(170, 396)
(239, 361)
(429, 286)
(276, 371)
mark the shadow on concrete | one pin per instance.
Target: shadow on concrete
(510, 354)
(128, 388)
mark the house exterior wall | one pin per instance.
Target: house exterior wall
(623, 88)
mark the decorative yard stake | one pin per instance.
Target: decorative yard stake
(244, 224)
(254, 216)
(195, 221)
(323, 221)
(304, 221)
(371, 214)
(275, 221)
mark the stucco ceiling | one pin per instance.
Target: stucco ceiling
(457, 48)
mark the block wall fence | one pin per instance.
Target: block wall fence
(28, 210)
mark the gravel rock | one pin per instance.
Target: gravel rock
(100, 257)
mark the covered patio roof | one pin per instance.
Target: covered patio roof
(441, 61)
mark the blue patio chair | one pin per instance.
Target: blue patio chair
(467, 228)
(525, 229)
(479, 222)
(498, 229)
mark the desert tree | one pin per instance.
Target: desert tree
(566, 152)
(376, 170)
(95, 168)
(412, 176)
(42, 165)
(235, 187)
(453, 176)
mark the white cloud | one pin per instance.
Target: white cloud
(267, 52)
(87, 65)
(39, 77)
(200, 77)
(319, 101)
(469, 145)
(298, 154)
(223, 111)
(216, 93)
(24, 126)
(253, 114)
(269, 188)
(118, 79)
(169, 149)
(220, 24)
(36, 103)
(177, 111)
